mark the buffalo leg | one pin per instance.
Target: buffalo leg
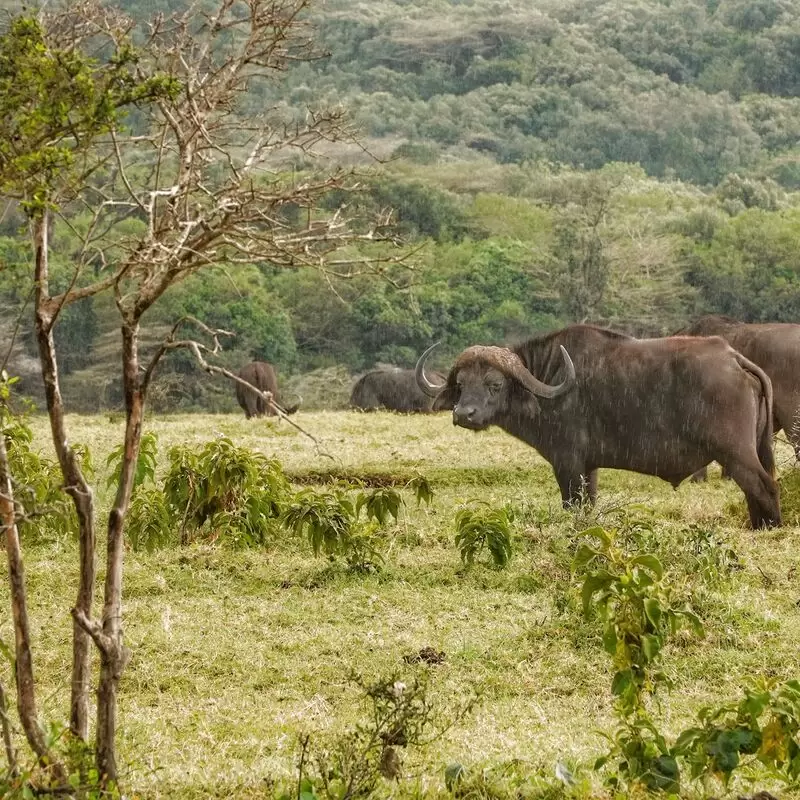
(591, 486)
(702, 475)
(760, 491)
(577, 486)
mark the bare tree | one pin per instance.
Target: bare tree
(196, 180)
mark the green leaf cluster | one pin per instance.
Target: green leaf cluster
(637, 609)
(221, 491)
(482, 526)
(44, 512)
(145, 468)
(53, 103)
(764, 724)
(332, 522)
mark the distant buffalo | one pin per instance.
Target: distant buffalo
(393, 389)
(261, 375)
(775, 347)
(662, 407)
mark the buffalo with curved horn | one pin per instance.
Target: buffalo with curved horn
(587, 398)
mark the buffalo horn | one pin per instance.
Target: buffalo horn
(535, 386)
(428, 388)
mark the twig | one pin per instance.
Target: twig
(300, 767)
(197, 348)
(16, 328)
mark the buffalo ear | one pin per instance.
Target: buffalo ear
(446, 399)
(524, 400)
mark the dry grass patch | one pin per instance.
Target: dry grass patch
(238, 653)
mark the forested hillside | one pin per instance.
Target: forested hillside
(629, 163)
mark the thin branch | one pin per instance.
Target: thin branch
(17, 325)
(197, 349)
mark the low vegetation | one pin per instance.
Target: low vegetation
(260, 670)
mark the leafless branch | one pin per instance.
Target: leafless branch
(14, 333)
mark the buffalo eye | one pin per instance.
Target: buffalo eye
(494, 387)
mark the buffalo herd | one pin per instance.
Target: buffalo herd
(585, 397)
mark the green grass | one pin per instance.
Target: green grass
(237, 653)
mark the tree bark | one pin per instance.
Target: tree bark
(75, 484)
(8, 745)
(23, 666)
(114, 654)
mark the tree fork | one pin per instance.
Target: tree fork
(114, 654)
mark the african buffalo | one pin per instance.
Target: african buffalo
(395, 389)
(260, 374)
(663, 407)
(775, 347)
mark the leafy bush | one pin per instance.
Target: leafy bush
(331, 521)
(145, 469)
(221, 491)
(487, 527)
(398, 714)
(45, 513)
(638, 612)
(765, 723)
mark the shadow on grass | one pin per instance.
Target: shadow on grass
(438, 476)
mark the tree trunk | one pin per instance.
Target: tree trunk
(23, 666)
(8, 745)
(74, 482)
(115, 655)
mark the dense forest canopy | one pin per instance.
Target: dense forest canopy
(631, 163)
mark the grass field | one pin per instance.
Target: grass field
(239, 653)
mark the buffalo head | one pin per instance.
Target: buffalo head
(482, 382)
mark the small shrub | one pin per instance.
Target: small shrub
(764, 724)
(638, 612)
(151, 521)
(331, 521)
(637, 609)
(44, 512)
(397, 714)
(422, 489)
(145, 469)
(484, 527)
(221, 491)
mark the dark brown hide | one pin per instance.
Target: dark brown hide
(775, 347)
(260, 374)
(394, 389)
(663, 407)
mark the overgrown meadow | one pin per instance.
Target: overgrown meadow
(254, 663)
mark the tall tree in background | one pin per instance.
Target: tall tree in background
(193, 183)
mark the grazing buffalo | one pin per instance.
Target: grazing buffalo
(775, 347)
(395, 389)
(585, 398)
(261, 375)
